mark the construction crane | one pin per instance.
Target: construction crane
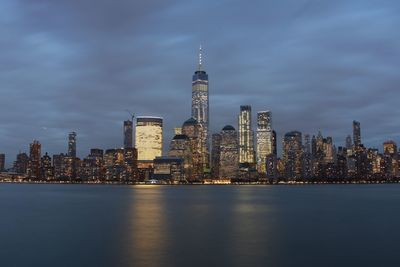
(131, 114)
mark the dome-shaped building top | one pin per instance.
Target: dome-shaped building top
(190, 121)
(228, 128)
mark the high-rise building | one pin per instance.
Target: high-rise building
(128, 134)
(229, 155)
(181, 147)
(194, 131)
(348, 142)
(274, 145)
(307, 158)
(72, 144)
(263, 139)
(200, 105)
(114, 164)
(92, 166)
(215, 154)
(2, 162)
(130, 164)
(58, 165)
(356, 133)
(34, 160)
(21, 164)
(46, 168)
(246, 145)
(292, 154)
(149, 136)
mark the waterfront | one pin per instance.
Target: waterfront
(117, 225)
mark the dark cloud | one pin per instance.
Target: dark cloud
(78, 65)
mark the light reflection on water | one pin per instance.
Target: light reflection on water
(81, 225)
(149, 230)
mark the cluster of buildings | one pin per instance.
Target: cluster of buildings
(196, 156)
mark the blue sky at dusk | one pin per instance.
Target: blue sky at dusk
(78, 65)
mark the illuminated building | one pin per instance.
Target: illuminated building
(69, 168)
(128, 134)
(263, 139)
(375, 159)
(229, 153)
(271, 166)
(274, 145)
(328, 150)
(148, 138)
(2, 162)
(356, 133)
(34, 160)
(177, 130)
(92, 166)
(72, 144)
(292, 154)
(194, 131)
(114, 164)
(168, 168)
(58, 165)
(130, 163)
(390, 147)
(46, 168)
(215, 154)
(200, 107)
(307, 157)
(246, 146)
(181, 147)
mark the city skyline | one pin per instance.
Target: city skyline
(319, 73)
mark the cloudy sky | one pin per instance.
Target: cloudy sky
(77, 65)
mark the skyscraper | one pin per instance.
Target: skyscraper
(181, 146)
(21, 163)
(215, 154)
(72, 144)
(128, 134)
(356, 133)
(2, 162)
(292, 154)
(246, 145)
(194, 131)
(149, 135)
(200, 105)
(47, 171)
(34, 159)
(229, 153)
(263, 140)
(348, 142)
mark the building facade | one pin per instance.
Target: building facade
(149, 137)
(128, 134)
(72, 144)
(229, 153)
(200, 107)
(264, 140)
(293, 154)
(246, 145)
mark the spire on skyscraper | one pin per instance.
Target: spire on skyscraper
(200, 59)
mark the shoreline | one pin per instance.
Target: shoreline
(290, 183)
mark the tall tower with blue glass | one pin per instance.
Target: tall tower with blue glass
(200, 107)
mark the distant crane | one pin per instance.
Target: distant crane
(131, 114)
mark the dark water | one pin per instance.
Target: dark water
(98, 225)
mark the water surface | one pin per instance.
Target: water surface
(106, 225)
